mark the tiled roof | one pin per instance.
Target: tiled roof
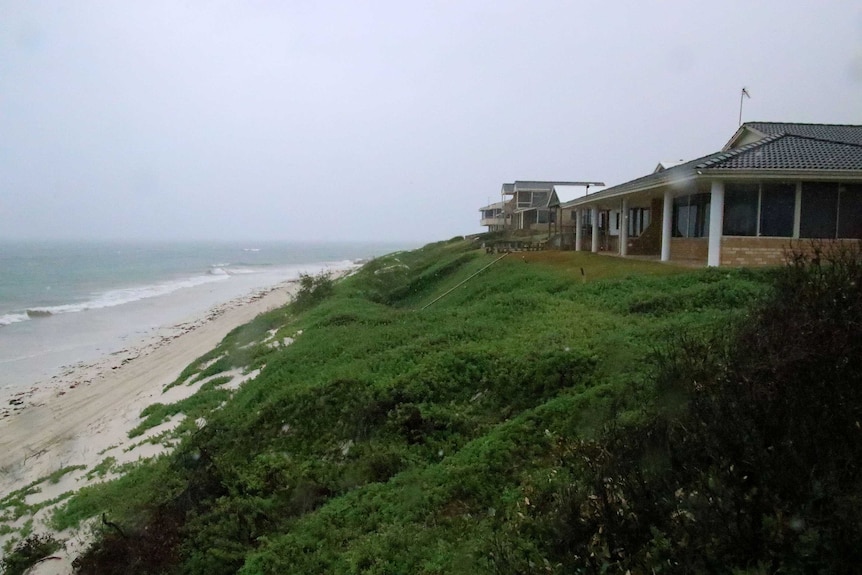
(786, 152)
(779, 152)
(833, 132)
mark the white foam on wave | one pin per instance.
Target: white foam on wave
(11, 318)
(225, 270)
(122, 296)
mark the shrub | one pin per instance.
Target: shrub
(29, 552)
(754, 470)
(312, 290)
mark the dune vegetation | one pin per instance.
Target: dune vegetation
(559, 412)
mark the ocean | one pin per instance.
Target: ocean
(67, 303)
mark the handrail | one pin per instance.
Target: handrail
(441, 296)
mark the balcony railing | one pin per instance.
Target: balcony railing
(498, 221)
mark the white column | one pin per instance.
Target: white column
(666, 226)
(624, 227)
(595, 217)
(579, 231)
(716, 223)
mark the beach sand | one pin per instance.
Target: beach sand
(84, 415)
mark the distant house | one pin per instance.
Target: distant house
(493, 217)
(534, 205)
(742, 205)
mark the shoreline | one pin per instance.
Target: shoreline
(16, 399)
(56, 412)
(80, 417)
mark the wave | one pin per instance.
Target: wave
(229, 270)
(38, 313)
(113, 298)
(10, 318)
(217, 272)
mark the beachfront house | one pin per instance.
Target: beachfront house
(493, 217)
(771, 184)
(534, 205)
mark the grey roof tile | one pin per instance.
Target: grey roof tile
(846, 133)
(790, 153)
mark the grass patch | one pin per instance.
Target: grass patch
(388, 438)
(200, 404)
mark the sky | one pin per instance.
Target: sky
(380, 120)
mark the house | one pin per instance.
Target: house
(771, 184)
(534, 205)
(493, 217)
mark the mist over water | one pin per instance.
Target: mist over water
(62, 303)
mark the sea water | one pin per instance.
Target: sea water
(64, 303)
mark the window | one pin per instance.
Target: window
(850, 211)
(542, 216)
(740, 210)
(819, 210)
(759, 210)
(587, 220)
(777, 207)
(539, 199)
(638, 221)
(691, 216)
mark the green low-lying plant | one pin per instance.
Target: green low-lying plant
(394, 436)
(28, 552)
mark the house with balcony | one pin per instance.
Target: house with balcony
(770, 185)
(534, 205)
(493, 217)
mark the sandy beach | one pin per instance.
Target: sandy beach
(83, 415)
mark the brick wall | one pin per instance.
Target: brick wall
(691, 249)
(751, 251)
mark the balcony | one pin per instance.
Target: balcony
(495, 221)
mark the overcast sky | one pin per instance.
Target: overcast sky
(380, 120)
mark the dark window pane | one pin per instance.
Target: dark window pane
(777, 207)
(681, 216)
(700, 217)
(819, 210)
(850, 212)
(691, 216)
(740, 210)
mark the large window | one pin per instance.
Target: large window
(819, 210)
(850, 211)
(638, 221)
(777, 208)
(546, 216)
(740, 209)
(831, 210)
(691, 216)
(759, 210)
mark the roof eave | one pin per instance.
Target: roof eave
(610, 193)
(784, 173)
